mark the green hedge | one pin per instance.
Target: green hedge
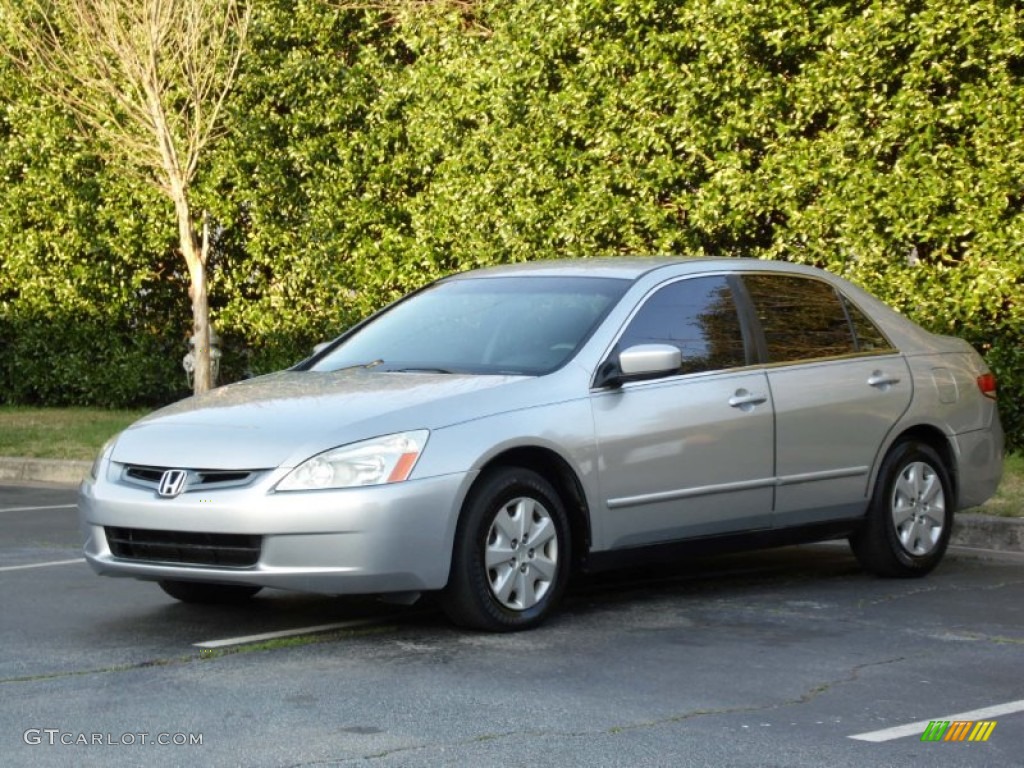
(369, 153)
(87, 360)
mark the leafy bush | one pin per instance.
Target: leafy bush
(90, 301)
(86, 360)
(370, 153)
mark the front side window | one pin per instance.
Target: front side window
(697, 315)
(802, 318)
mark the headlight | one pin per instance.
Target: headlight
(388, 459)
(104, 454)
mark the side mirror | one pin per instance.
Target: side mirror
(642, 361)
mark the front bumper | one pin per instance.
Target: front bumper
(387, 538)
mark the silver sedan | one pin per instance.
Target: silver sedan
(489, 434)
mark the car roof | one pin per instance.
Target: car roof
(904, 333)
(631, 267)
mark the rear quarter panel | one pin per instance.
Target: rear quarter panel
(947, 398)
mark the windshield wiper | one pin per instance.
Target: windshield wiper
(418, 369)
(367, 366)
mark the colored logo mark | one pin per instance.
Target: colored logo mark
(958, 730)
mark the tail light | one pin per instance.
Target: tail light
(987, 385)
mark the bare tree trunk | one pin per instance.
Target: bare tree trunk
(195, 255)
(201, 332)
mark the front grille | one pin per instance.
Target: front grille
(197, 479)
(144, 475)
(230, 550)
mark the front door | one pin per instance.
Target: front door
(690, 454)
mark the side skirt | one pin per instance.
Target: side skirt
(674, 551)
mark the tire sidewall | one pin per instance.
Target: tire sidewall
(892, 469)
(470, 578)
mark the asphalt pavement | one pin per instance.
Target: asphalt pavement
(788, 657)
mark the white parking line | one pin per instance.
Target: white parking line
(208, 644)
(36, 509)
(41, 565)
(916, 729)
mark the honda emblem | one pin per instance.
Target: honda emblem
(172, 483)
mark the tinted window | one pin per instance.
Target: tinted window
(698, 316)
(802, 318)
(869, 338)
(517, 325)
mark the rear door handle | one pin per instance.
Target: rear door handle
(882, 381)
(745, 400)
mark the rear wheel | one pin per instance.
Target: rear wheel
(511, 559)
(910, 519)
(211, 594)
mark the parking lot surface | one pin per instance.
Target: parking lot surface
(792, 657)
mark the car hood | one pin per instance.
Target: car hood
(284, 418)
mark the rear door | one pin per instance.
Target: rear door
(838, 386)
(689, 454)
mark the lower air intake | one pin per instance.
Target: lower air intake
(229, 550)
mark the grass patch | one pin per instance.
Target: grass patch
(298, 641)
(59, 433)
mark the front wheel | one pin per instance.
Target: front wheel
(210, 594)
(910, 518)
(511, 558)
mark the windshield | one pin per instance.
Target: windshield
(503, 325)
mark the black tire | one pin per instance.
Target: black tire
(208, 594)
(522, 591)
(910, 517)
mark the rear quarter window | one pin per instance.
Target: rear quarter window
(870, 339)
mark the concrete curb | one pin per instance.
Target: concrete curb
(978, 531)
(59, 472)
(1005, 534)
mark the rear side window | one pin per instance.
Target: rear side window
(802, 318)
(697, 315)
(869, 338)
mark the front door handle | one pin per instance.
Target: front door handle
(745, 400)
